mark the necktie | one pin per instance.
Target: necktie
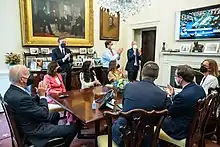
(135, 62)
(112, 53)
(63, 51)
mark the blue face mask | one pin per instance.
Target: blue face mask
(63, 45)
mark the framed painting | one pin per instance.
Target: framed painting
(43, 21)
(109, 26)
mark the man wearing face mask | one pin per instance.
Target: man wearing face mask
(109, 55)
(132, 66)
(62, 55)
(182, 107)
(31, 114)
(209, 68)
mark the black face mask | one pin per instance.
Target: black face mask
(203, 69)
(59, 70)
(30, 80)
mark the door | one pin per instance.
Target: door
(148, 46)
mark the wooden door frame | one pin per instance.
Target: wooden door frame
(147, 26)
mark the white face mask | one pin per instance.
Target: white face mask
(177, 83)
(135, 46)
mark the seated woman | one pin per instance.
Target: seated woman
(209, 68)
(55, 83)
(115, 73)
(87, 76)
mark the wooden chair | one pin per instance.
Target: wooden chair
(213, 125)
(17, 136)
(197, 128)
(75, 80)
(138, 127)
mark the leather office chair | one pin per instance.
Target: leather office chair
(17, 137)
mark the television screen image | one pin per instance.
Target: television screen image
(201, 23)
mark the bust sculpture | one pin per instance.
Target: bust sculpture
(197, 47)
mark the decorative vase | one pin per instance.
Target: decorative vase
(10, 66)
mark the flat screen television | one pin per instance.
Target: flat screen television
(198, 24)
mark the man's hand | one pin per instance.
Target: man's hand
(170, 90)
(66, 57)
(41, 89)
(120, 51)
(140, 52)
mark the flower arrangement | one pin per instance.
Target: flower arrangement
(12, 58)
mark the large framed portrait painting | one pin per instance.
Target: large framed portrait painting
(109, 26)
(43, 21)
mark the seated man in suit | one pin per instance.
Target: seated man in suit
(141, 95)
(62, 55)
(31, 114)
(183, 106)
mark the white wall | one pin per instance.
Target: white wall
(10, 36)
(162, 14)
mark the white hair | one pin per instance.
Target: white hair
(15, 73)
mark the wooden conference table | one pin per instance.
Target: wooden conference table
(79, 103)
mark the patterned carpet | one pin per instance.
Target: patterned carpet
(5, 139)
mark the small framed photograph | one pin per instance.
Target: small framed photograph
(34, 51)
(31, 62)
(45, 51)
(81, 58)
(211, 48)
(185, 48)
(82, 50)
(75, 50)
(89, 57)
(90, 51)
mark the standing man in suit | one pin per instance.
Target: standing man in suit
(62, 55)
(141, 95)
(109, 55)
(132, 66)
(31, 114)
(182, 108)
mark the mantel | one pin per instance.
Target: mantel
(190, 54)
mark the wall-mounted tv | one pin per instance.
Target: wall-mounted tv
(201, 23)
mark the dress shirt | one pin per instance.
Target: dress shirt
(109, 56)
(62, 50)
(135, 54)
(28, 91)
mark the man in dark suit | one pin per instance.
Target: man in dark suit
(132, 66)
(31, 114)
(181, 110)
(62, 55)
(141, 95)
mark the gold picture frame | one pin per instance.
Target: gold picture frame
(109, 26)
(36, 34)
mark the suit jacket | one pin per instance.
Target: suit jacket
(57, 56)
(30, 113)
(131, 60)
(53, 86)
(139, 95)
(182, 110)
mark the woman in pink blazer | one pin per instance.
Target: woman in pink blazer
(55, 83)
